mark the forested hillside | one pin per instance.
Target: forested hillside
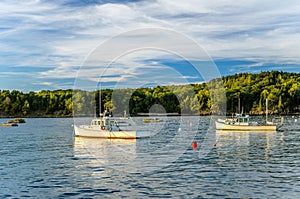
(282, 90)
(36, 104)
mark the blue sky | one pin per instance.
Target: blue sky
(43, 43)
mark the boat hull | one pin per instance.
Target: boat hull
(89, 131)
(230, 127)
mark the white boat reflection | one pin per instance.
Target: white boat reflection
(109, 153)
(224, 138)
(241, 143)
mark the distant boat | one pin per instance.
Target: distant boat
(9, 124)
(17, 120)
(106, 127)
(149, 120)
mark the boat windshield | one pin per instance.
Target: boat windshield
(243, 119)
(96, 122)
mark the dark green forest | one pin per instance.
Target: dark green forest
(244, 92)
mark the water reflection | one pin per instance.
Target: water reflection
(229, 138)
(172, 138)
(241, 137)
(242, 143)
(111, 153)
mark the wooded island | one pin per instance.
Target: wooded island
(249, 91)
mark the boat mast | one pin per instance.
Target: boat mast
(239, 104)
(267, 111)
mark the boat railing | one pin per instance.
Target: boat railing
(278, 121)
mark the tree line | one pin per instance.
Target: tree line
(243, 92)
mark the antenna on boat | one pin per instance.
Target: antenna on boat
(100, 101)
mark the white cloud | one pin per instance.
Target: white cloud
(44, 83)
(39, 33)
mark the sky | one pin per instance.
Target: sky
(62, 44)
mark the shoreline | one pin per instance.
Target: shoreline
(139, 115)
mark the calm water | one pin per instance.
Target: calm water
(42, 159)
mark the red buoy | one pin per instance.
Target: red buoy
(194, 145)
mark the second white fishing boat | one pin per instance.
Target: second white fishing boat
(242, 123)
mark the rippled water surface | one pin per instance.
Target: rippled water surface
(41, 158)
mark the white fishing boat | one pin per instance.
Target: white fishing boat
(243, 123)
(107, 127)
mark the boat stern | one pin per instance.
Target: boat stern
(142, 134)
(76, 132)
(219, 125)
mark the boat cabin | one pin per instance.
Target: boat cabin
(105, 123)
(240, 120)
